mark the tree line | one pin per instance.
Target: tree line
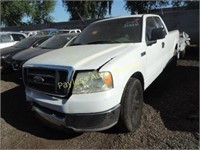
(39, 11)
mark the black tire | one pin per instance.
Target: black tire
(131, 106)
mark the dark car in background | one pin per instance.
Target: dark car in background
(55, 42)
(8, 52)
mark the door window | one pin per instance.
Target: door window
(150, 25)
(18, 37)
(153, 23)
(160, 24)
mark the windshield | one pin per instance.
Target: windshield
(123, 30)
(56, 42)
(25, 43)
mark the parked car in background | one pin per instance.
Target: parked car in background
(50, 31)
(31, 33)
(10, 38)
(8, 52)
(55, 42)
(69, 31)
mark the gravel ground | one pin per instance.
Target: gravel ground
(170, 117)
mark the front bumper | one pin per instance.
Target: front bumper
(79, 122)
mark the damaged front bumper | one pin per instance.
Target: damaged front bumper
(78, 122)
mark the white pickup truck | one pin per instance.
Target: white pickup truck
(99, 80)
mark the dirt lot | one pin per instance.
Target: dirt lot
(170, 119)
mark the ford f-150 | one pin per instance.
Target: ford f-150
(99, 80)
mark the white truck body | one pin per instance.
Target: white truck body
(122, 60)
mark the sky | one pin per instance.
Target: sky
(60, 15)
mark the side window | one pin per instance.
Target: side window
(62, 32)
(6, 38)
(52, 33)
(160, 24)
(150, 25)
(67, 31)
(18, 37)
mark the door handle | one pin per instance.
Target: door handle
(163, 44)
(143, 53)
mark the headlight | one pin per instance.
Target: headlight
(91, 82)
(5, 56)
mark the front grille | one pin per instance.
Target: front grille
(46, 80)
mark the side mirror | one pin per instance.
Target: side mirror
(157, 34)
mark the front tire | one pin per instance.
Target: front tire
(131, 106)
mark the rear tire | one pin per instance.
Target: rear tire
(131, 106)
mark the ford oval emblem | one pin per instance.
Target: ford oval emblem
(38, 79)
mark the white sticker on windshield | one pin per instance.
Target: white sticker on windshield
(130, 24)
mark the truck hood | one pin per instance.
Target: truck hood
(82, 57)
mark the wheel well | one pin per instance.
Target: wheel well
(176, 46)
(175, 49)
(139, 76)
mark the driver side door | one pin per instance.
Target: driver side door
(155, 49)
